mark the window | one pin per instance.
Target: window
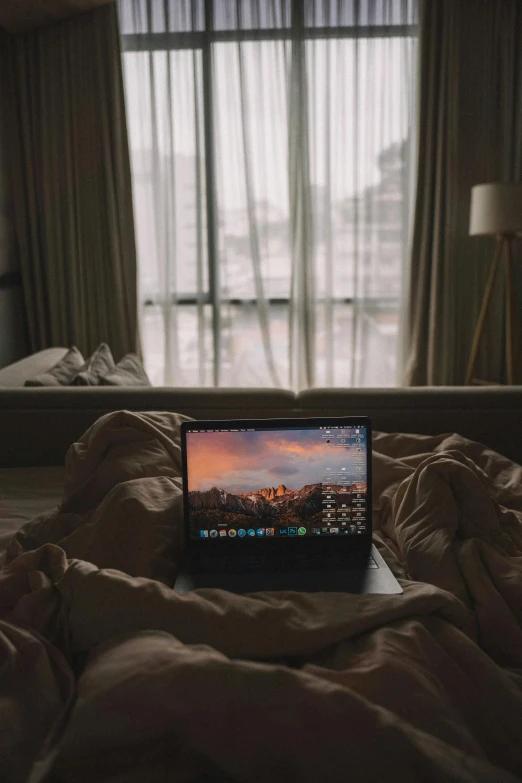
(271, 147)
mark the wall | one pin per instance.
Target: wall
(13, 335)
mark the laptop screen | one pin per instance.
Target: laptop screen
(286, 480)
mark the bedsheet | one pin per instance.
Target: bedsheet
(142, 684)
(25, 493)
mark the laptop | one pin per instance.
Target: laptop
(280, 504)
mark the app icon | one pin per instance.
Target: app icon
(232, 532)
(251, 531)
(203, 533)
(270, 531)
(316, 531)
(292, 531)
(222, 533)
(241, 532)
(302, 531)
(334, 530)
(213, 534)
(260, 531)
(324, 530)
(283, 531)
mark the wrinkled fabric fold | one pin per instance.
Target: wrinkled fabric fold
(213, 685)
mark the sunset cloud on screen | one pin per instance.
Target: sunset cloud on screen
(214, 457)
(247, 461)
(289, 446)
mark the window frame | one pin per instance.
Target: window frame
(297, 32)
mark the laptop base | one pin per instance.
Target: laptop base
(376, 580)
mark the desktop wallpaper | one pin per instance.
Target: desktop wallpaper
(277, 477)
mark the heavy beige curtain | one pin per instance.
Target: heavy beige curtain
(470, 131)
(71, 183)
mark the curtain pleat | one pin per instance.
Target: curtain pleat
(71, 184)
(470, 131)
(301, 359)
(253, 227)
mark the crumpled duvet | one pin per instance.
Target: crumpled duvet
(107, 675)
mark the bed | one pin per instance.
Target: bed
(108, 675)
(26, 493)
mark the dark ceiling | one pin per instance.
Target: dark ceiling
(20, 15)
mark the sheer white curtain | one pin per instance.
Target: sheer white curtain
(272, 145)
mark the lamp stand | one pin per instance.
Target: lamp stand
(503, 240)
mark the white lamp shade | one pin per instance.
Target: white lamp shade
(496, 208)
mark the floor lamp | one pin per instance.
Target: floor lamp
(496, 208)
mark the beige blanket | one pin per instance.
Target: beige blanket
(107, 675)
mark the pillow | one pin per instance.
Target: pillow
(128, 372)
(98, 364)
(62, 373)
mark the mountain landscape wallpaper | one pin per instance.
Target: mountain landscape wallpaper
(279, 506)
(272, 476)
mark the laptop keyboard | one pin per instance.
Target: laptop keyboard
(270, 563)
